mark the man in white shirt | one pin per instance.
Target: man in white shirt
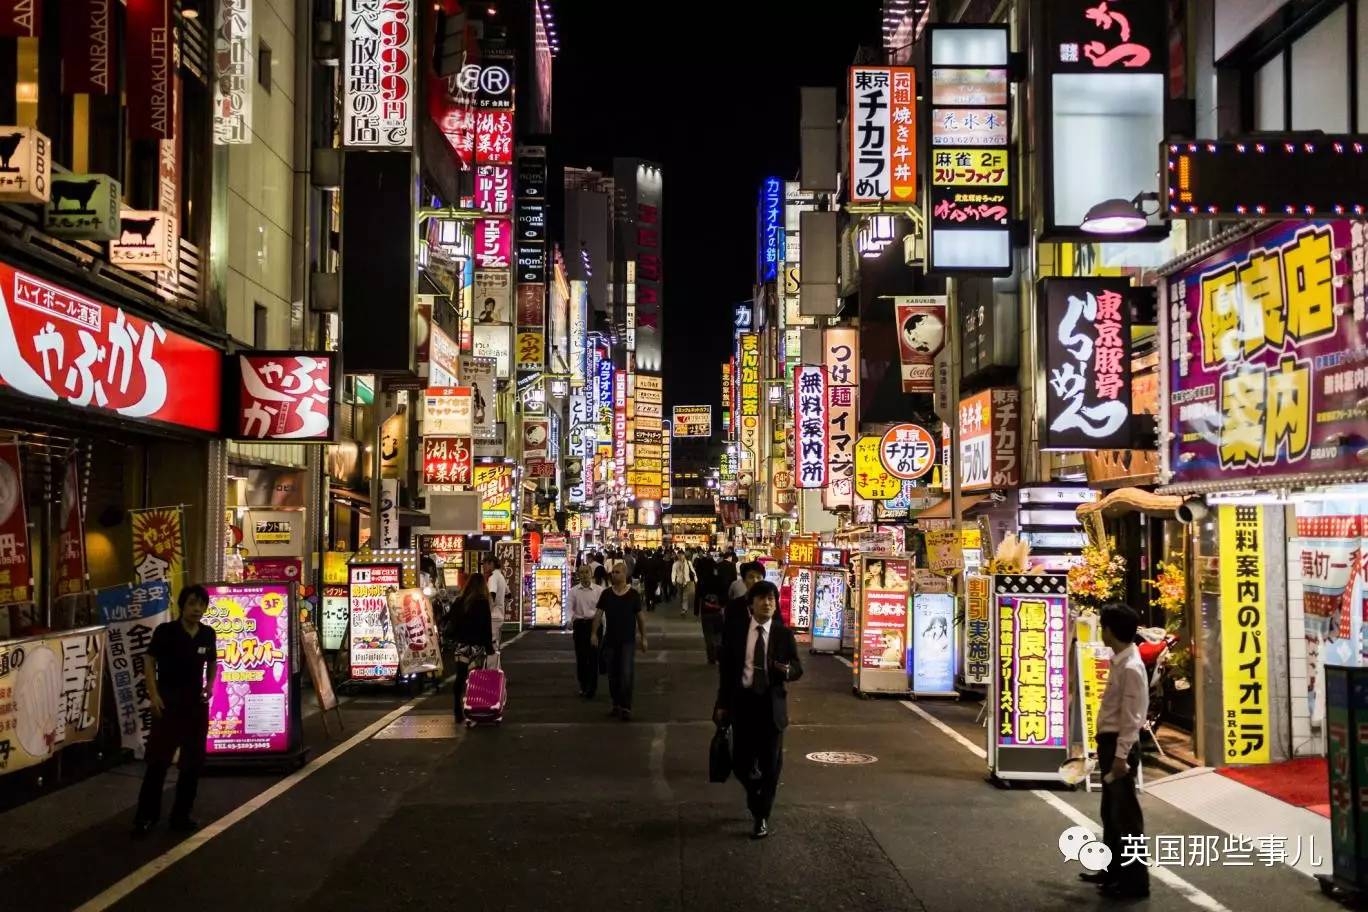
(498, 593)
(1125, 704)
(583, 605)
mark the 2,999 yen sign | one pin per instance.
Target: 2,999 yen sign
(907, 451)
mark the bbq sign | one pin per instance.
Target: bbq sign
(1086, 328)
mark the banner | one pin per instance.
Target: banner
(87, 39)
(16, 569)
(159, 546)
(415, 632)
(249, 711)
(71, 553)
(50, 690)
(373, 653)
(131, 614)
(978, 634)
(1244, 635)
(149, 73)
(921, 336)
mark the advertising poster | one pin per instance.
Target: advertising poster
(378, 67)
(884, 613)
(478, 374)
(1244, 635)
(921, 336)
(828, 604)
(335, 612)
(1267, 383)
(50, 690)
(978, 633)
(548, 583)
(159, 546)
(318, 669)
(800, 603)
(131, 614)
(374, 654)
(1032, 663)
(250, 707)
(275, 569)
(1094, 666)
(1085, 327)
(16, 571)
(494, 341)
(933, 621)
(495, 484)
(71, 552)
(415, 632)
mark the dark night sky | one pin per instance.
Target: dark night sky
(711, 92)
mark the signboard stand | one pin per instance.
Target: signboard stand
(883, 617)
(932, 643)
(372, 654)
(831, 589)
(1346, 712)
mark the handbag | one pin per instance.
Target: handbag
(720, 754)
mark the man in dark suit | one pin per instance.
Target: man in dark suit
(758, 658)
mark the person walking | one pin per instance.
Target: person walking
(705, 573)
(726, 572)
(683, 578)
(1125, 703)
(651, 577)
(620, 607)
(583, 607)
(471, 631)
(497, 585)
(752, 572)
(759, 659)
(180, 666)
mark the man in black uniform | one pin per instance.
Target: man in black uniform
(759, 657)
(180, 666)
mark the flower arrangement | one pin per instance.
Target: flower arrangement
(1170, 596)
(1012, 555)
(1098, 578)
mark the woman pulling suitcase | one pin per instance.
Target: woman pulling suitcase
(469, 628)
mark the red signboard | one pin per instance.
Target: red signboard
(285, 396)
(21, 18)
(59, 345)
(493, 243)
(494, 137)
(446, 460)
(87, 39)
(15, 571)
(149, 70)
(541, 468)
(71, 553)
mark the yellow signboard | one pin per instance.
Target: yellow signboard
(951, 167)
(495, 484)
(1244, 635)
(872, 480)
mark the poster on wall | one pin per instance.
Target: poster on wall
(810, 409)
(159, 546)
(921, 336)
(71, 550)
(415, 632)
(933, 655)
(50, 692)
(373, 652)
(547, 592)
(1246, 715)
(130, 614)
(250, 711)
(1030, 695)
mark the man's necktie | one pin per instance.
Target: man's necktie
(759, 674)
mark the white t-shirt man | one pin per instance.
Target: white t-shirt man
(498, 593)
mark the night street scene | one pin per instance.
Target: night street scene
(877, 456)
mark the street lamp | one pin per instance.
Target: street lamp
(1117, 216)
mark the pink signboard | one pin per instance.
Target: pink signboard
(493, 243)
(249, 711)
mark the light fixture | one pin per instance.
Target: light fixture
(1117, 216)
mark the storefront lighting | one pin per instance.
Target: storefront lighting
(448, 232)
(1117, 216)
(559, 388)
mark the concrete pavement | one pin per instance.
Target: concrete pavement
(563, 807)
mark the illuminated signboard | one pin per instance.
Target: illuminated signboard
(285, 396)
(1031, 709)
(989, 424)
(969, 193)
(810, 414)
(495, 484)
(883, 134)
(1267, 178)
(841, 358)
(693, 421)
(749, 394)
(1085, 327)
(771, 231)
(250, 708)
(446, 462)
(377, 73)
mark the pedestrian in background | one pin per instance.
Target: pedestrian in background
(180, 666)
(738, 599)
(683, 578)
(1125, 703)
(727, 572)
(705, 576)
(471, 631)
(583, 607)
(497, 585)
(759, 658)
(619, 606)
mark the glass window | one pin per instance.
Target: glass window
(1320, 76)
(1270, 96)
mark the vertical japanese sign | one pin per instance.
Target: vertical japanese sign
(749, 397)
(71, 552)
(884, 613)
(249, 711)
(446, 462)
(800, 602)
(989, 423)
(159, 546)
(16, 568)
(234, 65)
(285, 396)
(883, 134)
(1094, 667)
(372, 650)
(841, 357)
(921, 336)
(810, 414)
(150, 69)
(728, 394)
(131, 614)
(1244, 635)
(1032, 661)
(378, 73)
(494, 189)
(87, 37)
(1264, 378)
(415, 632)
(771, 228)
(50, 691)
(969, 181)
(1085, 328)
(978, 635)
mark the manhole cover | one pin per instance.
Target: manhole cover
(413, 727)
(841, 758)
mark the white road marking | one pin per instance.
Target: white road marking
(1183, 888)
(660, 785)
(844, 661)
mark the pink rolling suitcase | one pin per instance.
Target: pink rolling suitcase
(485, 696)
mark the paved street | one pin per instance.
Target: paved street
(563, 807)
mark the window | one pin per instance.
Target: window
(260, 331)
(1320, 58)
(1311, 80)
(264, 66)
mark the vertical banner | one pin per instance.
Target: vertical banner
(71, 553)
(978, 635)
(415, 632)
(1244, 635)
(841, 357)
(921, 336)
(749, 397)
(1031, 699)
(389, 513)
(373, 653)
(249, 711)
(377, 73)
(234, 65)
(149, 70)
(810, 412)
(87, 40)
(159, 546)
(131, 614)
(1085, 327)
(50, 691)
(16, 569)
(883, 134)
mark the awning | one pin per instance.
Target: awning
(1132, 500)
(942, 509)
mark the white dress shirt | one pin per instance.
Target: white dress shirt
(1125, 702)
(498, 591)
(748, 670)
(584, 602)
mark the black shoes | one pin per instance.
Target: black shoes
(142, 827)
(760, 829)
(1100, 878)
(1123, 891)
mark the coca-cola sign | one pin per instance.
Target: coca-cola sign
(285, 396)
(58, 345)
